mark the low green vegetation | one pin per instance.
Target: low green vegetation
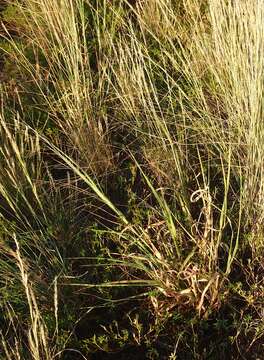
(131, 179)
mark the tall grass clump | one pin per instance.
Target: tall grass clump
(136, 179)
(67, 75)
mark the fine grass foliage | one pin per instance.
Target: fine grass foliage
(131, 179)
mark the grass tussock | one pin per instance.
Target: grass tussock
(131, 179)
